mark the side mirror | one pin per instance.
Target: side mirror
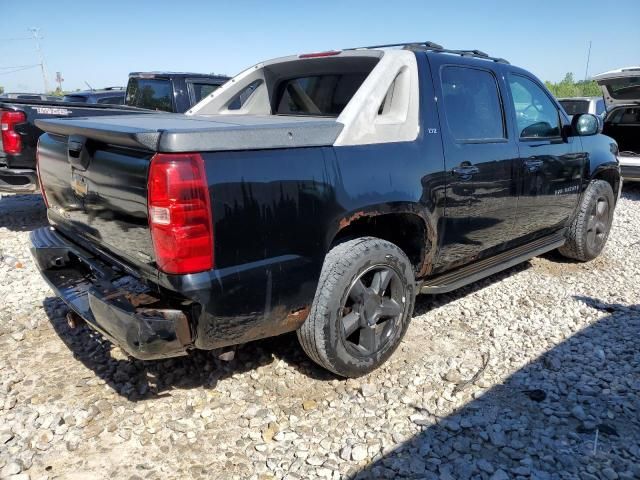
(585, 124)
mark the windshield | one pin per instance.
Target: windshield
(575, 107)
(151, 93)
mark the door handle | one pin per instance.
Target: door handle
(533, 165)
(465, 172)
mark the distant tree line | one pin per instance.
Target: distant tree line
(568, 87)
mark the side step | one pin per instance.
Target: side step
(472, 273)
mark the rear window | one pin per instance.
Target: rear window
(319, 95)
(112, 100)
(575, 107)
(201, 90)
(624, 88)
(74, 99)
(151, 93)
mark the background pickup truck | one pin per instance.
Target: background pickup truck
(109, 95)
(162, 91)
(317, 193)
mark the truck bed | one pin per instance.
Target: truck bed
(17, 171)
(179, 133)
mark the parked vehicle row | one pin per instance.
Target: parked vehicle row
(316, 193)
(145, 93)
(28, 96)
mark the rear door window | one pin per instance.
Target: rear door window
(472, 104)
(151, 93)
(536, 114)
(320, 95)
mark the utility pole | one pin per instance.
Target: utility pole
(35, 32)
(586, 71)
(59, 79)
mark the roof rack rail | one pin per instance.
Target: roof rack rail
(434, 47)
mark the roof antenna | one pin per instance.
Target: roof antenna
(90, 87)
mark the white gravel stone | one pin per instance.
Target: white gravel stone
(71, 402)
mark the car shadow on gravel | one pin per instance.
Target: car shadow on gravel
(142, 380)
(22, 213)
(571, 413)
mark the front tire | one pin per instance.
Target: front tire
(362, 307)
(590, 228)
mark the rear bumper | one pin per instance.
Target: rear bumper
(17, 180)
(115, 304)
(206, 310)
(630, 173)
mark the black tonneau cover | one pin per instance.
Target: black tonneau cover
(173, 132)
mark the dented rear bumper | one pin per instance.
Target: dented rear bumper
(115, 304)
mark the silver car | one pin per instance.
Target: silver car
(579, 105)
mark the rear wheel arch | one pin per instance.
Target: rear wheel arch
(407, 229)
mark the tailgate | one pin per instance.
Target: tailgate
(98, 192)
(95, 170)
(620, 87)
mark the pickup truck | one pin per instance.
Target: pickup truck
(161, 91)
(108, 95)
(170, 91)
(316, 193)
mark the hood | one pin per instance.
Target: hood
(620, 87)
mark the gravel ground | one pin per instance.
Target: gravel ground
(533, 373)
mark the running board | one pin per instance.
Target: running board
(472, 273)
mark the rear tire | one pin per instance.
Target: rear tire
(362, 307)
(590, 228)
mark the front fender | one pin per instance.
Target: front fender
(602, 161)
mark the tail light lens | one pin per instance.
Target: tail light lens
(44, 194)
(11, 141)
(180, 213)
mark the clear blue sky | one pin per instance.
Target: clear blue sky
(101, 42)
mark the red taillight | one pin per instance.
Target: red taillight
(11, 141)
(320, 54)
(44, 194)
(180, 213)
